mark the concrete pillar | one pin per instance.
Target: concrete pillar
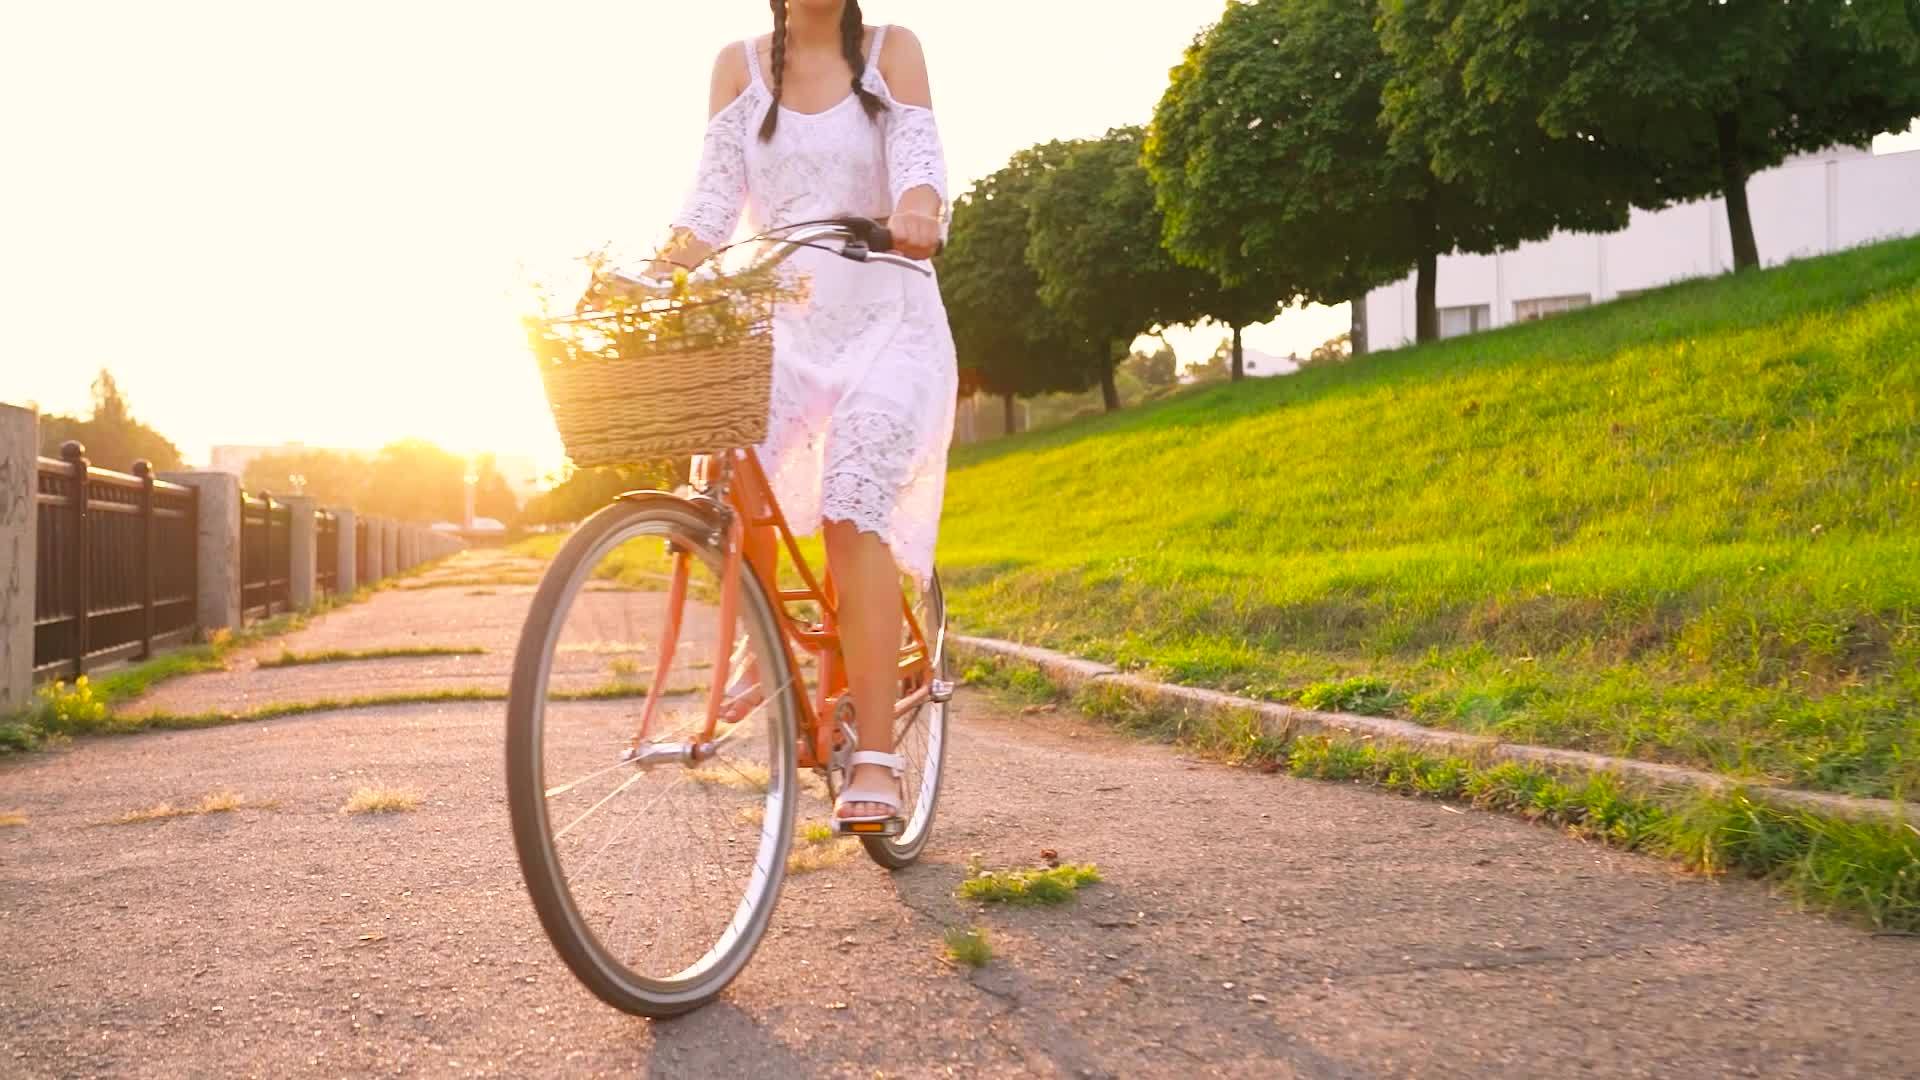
(376, 566)
(217, 538)
(303, 551)
(389, 546)
(19, 482)
(346, 565)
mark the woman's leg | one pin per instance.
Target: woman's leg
(869, 607)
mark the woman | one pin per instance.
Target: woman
(824, 118)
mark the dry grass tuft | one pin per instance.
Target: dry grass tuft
(818, 848)
(12, 819)
(378, 800)
(219, 802)
(745, 776)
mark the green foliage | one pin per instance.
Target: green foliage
(1096, 245)
(289, 658)
(1679, 527)
(1363, 694)
(1272, 167)
(1648, 101)
(1051, 886)
(113, 438)
(62, 709)
(1004, 333)
(969, 946)
(581, 492)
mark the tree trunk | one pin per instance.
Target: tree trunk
(1109, 392)
(1733, 179)
(1239, 357)
(1358, 337)
(1426, 313)
(1008, 399)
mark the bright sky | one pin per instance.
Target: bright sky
(302, 221)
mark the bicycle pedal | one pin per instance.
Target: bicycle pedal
(869, 828)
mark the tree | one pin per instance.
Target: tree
(581, 492)
(1155, 371)
(1002, 330)
(1335, 350)
(493, 497)
(1270, 163)
(330, 476)
(1217, 367)
(1660, 100)
(1096, 244)
(113, 438)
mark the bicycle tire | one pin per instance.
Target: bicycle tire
(900, 852)
(540, 860)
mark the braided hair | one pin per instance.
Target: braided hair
(852, 37)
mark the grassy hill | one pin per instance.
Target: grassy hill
(1684, 526)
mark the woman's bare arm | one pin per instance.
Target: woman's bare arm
(917, 212)
(730, 80)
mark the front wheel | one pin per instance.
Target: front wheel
(653, 875)
(920, 736)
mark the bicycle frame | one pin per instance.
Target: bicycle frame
(742, 492)
(744, 502)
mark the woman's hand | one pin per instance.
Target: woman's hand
(916, 234)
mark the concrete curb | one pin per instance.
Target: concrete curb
(1287, 721)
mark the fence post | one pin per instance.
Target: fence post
(75, 455)
(303, 550)
(346, 560)
(390, 546)
(19, 550)
(144, 470)
(217, 540)
(376, 567)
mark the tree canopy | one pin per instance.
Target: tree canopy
(1647, 101)
(1002, 330)
(411, 479)
(1097, 246)
(1271, 163)
(113, 438)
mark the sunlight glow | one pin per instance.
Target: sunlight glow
(307, 222)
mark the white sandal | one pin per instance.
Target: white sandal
(888, 824)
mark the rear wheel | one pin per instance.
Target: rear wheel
(920, 737)
(653, 876)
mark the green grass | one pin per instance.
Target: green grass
(969, 946)
(289, 658)
(1049, 886)
(1682, 527)
(85, 719)
(1869, 869)
(89, 704)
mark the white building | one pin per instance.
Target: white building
(1811, 205)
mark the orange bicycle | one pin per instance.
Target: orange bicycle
(671, 682)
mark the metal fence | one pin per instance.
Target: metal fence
(362, 533)
(266, 562)
(118, 569)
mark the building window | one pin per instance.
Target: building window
(1542, 306)
(1467, 319)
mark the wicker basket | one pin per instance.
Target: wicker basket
(664, 378)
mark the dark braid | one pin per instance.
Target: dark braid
(852, 38)
(772, 121)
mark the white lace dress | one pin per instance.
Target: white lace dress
(864, 372)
